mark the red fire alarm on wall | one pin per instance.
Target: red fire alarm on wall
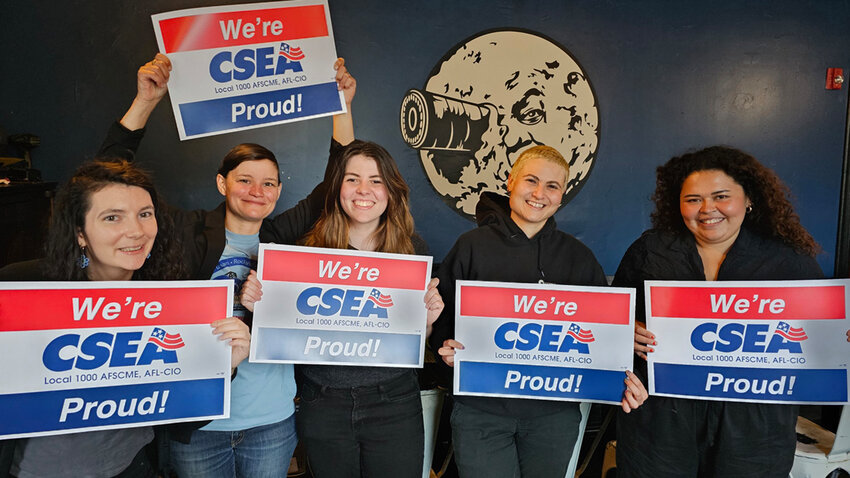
(834, 78)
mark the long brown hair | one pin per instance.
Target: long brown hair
(396, 224)
(772, 214)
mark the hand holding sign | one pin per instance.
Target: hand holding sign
(635, 393)
(238, 336)
(448, 351)
(344, 81)
(252, 291)
(151, 86)
(434, 304)
(643, 340)
(152, 79)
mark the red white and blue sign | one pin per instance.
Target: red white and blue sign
(767, 342)
(341, 307)
(246, 66)
(83, 356)
(543, 341)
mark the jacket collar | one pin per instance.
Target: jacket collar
(746, 244)
(495, 210)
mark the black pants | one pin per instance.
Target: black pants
(680, 438)
(371, 432)
(495, 446)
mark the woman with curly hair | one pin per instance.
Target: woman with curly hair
(720, 215)
(107, 225)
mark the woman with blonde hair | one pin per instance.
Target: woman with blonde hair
(517, 240)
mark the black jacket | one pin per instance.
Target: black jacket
(660, 255)
(202, 232)
(498, 250)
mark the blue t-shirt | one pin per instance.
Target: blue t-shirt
(261, 393)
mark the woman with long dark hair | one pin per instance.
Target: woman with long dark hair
(107, 225)
(720, 215)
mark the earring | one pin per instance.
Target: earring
(749, 208)
(149, 256)
(83, 260)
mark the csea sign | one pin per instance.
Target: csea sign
(766, 341)
(83, 356)
(246, 66)
(342, 307)
(543, 341)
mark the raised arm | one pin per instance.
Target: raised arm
(124, 137)
(151, 86)
(290, 225)
(344, 123)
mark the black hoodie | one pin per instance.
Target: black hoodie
(498, 250)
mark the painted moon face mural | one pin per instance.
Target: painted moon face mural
(488, 99)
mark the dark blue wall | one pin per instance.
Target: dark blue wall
(669, 76)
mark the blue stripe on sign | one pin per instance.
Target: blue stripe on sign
(541, 381)
(337, 346)
(42, 411)
(784, 385)
(267, 107)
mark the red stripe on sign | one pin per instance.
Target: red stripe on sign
(338, 269)
(56, 309)
(217, 30)
(508, 303)
(753, 303)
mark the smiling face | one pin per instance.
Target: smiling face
(251, 191)
(713, 206)
(363, 195)
(536, 192)
(120, 228)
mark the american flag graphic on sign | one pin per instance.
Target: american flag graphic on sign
(794, 334)
(166, 341)
(294, 53)
(382, 300)
(584, 336)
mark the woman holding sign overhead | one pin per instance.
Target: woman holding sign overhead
(107, 225)
(259, 437)
(720, 215)
(517, 241)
